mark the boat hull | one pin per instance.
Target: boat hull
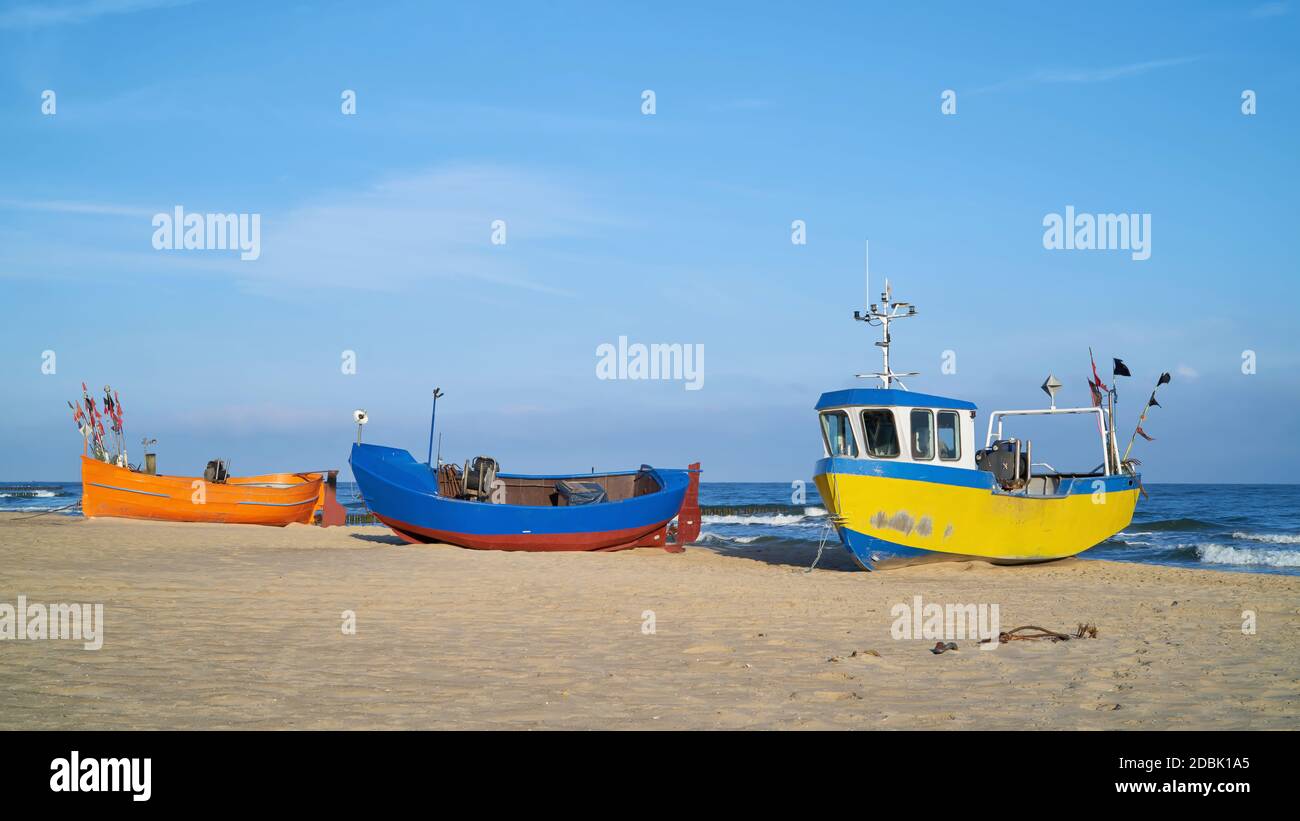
(892, 514)
(537, 542)
(403, 494)
(111, 491)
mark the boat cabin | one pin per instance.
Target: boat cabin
(899, 426)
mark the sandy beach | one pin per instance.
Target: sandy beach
(211, 626)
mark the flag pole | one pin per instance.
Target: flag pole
(437, 392)
(1094, 387)
(1110, 437)
(1119, 369)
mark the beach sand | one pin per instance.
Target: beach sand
(212, 626)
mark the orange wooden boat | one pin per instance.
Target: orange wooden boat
(274, 499)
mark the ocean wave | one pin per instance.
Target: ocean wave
(807, 515)
(716, 539)
(1163, 525)
(776, 520)
(1273, 538)
(30, 494)
(761, 510)
(1214, 553)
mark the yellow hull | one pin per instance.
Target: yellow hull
(886, 519)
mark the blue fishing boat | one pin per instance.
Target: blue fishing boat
(479, 507)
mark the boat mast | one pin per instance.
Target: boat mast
(433, 416)
(880, 316)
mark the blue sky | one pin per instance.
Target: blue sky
(673, 227)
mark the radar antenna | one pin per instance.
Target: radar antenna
(880, 316)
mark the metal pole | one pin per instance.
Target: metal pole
(432, 417)
(1111, 444)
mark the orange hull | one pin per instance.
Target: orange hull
(275, 499)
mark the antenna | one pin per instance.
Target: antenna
(433, 415)
(880, 316)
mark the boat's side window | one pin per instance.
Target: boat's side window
(839, 434)
(881, 433)
(922, 434)
(949, 436)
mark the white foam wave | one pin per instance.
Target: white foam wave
(1223, 554)
(714, 538)
(772, 519)
(1274, 538)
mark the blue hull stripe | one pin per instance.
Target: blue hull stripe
(871, 552)
(959, 477)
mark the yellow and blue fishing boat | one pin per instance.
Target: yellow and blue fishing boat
(904, 482)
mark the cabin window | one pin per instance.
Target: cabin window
(881, 433)
(922, 434)
(949, 436)
(839, 434)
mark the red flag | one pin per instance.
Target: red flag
(1095, 377)
(1144, 435)
(1096, 392)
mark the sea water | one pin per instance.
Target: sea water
(1249, 528)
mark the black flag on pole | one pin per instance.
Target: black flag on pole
(1120, 368)
(1164, 379)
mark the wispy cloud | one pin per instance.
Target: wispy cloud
(432, 224)
(72, 207)
(1269, 10)
(1079, 76)
(403, 230)
(40, 15)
